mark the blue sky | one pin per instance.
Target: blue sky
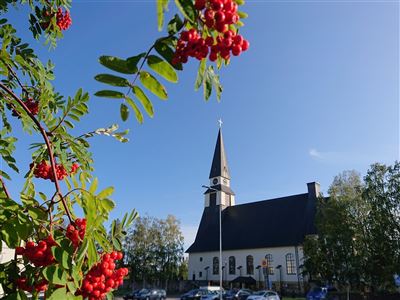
(317, 93)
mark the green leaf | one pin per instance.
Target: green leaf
(153, 85)
(124, 111)
(133, 60)
(200, 75)
(239, 2)
(174, 25)
(162, 5)
(148, 107)
(138, 113)
(112, 80)
(61, 256)
(167, 53)
(82, 250)
(55, 275)
(117, 243)
(106, 192)
(58, 294)
(107, 204)
(242, 14)
(162, 68)
(187, 9)
(118, 64)
(109, 94)
(207, 87)
(8, 235)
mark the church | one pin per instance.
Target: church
(261, 241)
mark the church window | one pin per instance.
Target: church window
(200, 274)
(268, 257)
(201, 259)
(250, 264)
(290, 265)
(232, 265)
(213, 199)
(215, 266)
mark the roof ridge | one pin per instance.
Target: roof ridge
(273, 199)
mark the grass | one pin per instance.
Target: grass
(290, 298)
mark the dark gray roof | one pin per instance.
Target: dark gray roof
(270, 223)
(219, 165)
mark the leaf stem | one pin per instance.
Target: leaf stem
(4, 187)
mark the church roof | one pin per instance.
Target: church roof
(269, 223)
(219, 165)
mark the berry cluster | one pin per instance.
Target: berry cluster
(44, 170)
(41, 286)
(103, 277)
(76, 231)
(64, 20)
(40, 255)
(32, 105)
(190, 44)
(219, 16)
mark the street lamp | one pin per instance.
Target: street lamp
(220, 241)
(279, 267)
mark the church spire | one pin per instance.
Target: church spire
(219, 166)
(219, 192)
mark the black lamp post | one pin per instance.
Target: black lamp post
(259, 275)
(279, 267)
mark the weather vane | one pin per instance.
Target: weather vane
(220, 123)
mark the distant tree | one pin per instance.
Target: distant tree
(184, 269)
(382, 192)
(358, 239)
(332, 256)
(154, 250)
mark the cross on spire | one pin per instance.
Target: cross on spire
(220, 123)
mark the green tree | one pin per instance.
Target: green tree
(358, 228)
(154, 250)
(332, 255)
(382, 193)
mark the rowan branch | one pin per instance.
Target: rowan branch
(48, 145)
(4, 187)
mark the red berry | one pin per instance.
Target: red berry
(236, 50)
(245, 45)
(19, 250)
(219, 17)
(200, 4)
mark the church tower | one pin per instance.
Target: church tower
(219, 191)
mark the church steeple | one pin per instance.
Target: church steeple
(219, 191)
(219, 166)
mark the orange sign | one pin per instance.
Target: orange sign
(264, 263)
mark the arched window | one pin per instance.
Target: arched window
(250, 264)
(268, 257)
(290, 264)
(215, 266)
(232, 265)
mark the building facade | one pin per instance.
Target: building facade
(260, 240)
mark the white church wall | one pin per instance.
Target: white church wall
(199, 261)
(6, 255)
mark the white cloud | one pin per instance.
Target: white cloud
(315, 153)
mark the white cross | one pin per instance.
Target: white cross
(220, 123)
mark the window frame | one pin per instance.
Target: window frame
(249, 265)
(215, 265)
(290, 264)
